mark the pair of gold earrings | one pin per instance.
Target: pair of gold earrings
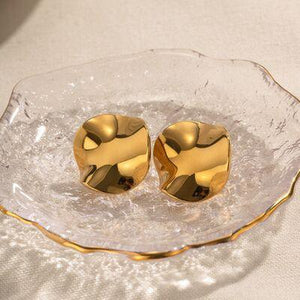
(113, 155)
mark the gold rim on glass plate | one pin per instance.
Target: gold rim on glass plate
(139, 256)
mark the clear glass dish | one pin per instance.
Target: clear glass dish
(39, 177)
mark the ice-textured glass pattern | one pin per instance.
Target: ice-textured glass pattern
(39, 177)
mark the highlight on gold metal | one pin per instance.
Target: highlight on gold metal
(112, 152)
(192, 160)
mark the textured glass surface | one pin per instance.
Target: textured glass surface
(39, 177)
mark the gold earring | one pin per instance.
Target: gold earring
(192, 160)
(112, 152)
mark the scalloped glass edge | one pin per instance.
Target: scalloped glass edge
(139, 256)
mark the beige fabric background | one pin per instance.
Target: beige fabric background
(38, 36)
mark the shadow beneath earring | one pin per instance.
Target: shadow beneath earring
(197, 271)
(12, 14)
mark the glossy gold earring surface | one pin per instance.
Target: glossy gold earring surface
(112, 152)
(192, 160)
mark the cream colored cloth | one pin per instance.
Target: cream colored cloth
(38, 36)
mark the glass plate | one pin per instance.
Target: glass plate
(39, 177)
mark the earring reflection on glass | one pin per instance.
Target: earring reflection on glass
(112, 152)
(192, 160)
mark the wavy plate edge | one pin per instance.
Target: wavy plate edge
(141, 256)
